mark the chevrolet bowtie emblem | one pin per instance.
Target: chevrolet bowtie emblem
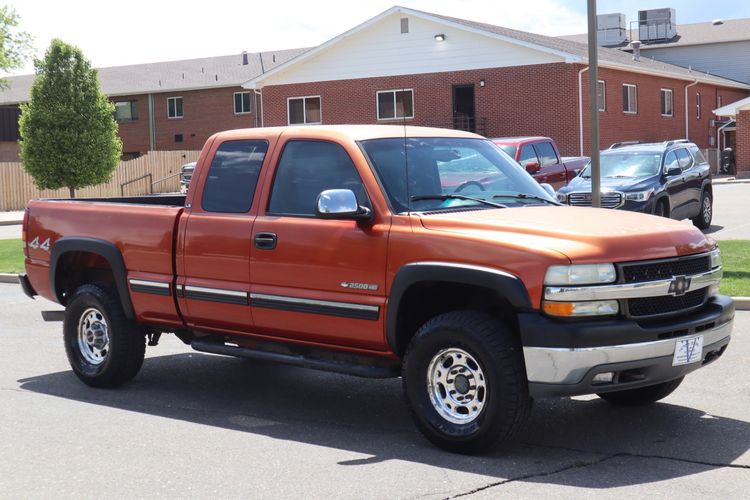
(679, 285)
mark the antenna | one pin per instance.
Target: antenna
(406, 153)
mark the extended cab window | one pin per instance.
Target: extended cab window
(233, 176)
(546, 153)
(306, 169)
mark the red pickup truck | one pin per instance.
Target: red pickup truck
(357, 249)
(541, 158)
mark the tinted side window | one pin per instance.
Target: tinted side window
(233, 175)
(684, 159)
(307, 168)
(670, 161)
(528, 155)
(699, 158)
(546, 153)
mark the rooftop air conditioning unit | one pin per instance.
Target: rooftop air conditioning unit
(657, 24)
(610, 29)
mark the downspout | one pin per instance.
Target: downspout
(687, 115)
(262, 111)
(151, 124)
(580, 108)
(719, 136)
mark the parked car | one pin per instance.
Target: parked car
(669, 179)
(344, 249)
(541, 158)
(186, 174)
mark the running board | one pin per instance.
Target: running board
(381, 370)
(53, 315)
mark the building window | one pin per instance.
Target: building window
(667, 103)
(303, 110)
(698, 106)
(241, 103)
(393, 104)
(601, 95)
(174, 107)
(629, 98)
(126, 111)
(404, 25)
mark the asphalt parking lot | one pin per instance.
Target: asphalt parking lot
(196, 425)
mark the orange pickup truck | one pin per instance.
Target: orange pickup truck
(374, 251)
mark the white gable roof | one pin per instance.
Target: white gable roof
(733, 108)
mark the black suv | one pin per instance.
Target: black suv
(669, 179)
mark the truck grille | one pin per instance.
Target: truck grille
(636, 272)
(657, 306)
(609, 200)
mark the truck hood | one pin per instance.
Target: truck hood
(584, 235)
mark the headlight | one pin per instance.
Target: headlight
(580, 274)
(577, 309)
(561, 197)
(715, 258)
(640, 196)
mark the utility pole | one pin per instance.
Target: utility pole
(594, 107)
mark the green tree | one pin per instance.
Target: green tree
(15, 46)
(68, 131)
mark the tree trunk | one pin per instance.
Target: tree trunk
(72, 191)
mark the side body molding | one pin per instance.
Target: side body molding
(509, 286)
(96, 246)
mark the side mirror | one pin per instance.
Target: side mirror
(550, 190)
(671, 172)
(533, 167)
(341, 204)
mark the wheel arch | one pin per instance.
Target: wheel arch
(68, 246)
(478, 286)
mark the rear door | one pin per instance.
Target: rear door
(213, 263)
(674, 186)
(318, 280)
(552, 170)
(691, 183)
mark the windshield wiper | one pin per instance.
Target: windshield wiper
(444, 197)
(526, 196)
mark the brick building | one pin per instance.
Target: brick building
(413, 67)
(734, 133)
(171, 105)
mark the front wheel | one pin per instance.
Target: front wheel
(703, 219)
(104, 348)
(642, 395)
(465, 381)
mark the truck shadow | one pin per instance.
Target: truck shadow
(370, 417)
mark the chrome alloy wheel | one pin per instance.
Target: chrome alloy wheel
(707, 209)
(93, 336)
(457, 385)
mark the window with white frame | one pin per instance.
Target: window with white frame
(667, 102)
(303, 110)
(395, 104)
(629, 98)
(174, 107)
(241, 103)
(698, 106)
(601, 95)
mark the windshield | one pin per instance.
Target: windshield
(413, 169)
(631, 164)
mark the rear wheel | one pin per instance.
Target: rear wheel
(642, 395)
(465, 381)
(104, 348)
(703, 219)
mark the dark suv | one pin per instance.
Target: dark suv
(669, 179)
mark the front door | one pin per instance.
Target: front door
(463, 108)
(317, 280)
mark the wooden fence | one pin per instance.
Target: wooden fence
(155, 172)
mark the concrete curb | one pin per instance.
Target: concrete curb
(11, 222)
(731, 181)
(8, 278)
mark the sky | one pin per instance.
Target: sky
(136, 31)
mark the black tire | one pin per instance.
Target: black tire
(121, 357)
(506, 403)
(661, 209)
(703, 219)
(642, 395)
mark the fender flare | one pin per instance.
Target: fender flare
(107, 250)
(509, 286)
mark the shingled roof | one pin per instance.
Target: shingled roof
(190, 74)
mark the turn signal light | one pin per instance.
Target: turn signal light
(578, 309)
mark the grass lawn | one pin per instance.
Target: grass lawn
(735, 255)
(11, 256)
